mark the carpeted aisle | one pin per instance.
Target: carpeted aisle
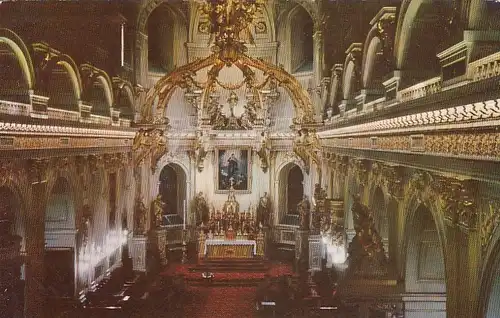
(220, 302)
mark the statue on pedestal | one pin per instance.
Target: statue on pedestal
(200, 207)
(304, 208)
(140, 216)
(158, 205)
(264, 210)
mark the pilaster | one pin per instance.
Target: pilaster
(35, 239)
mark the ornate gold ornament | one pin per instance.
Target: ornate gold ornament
(9, 170)
(489, 221)
(458, 200)
(37, 170)
(149, 142)
(229, 22)
(307, 146)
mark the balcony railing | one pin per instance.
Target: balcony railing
(422, 89)
(484, 68)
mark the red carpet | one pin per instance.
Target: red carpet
(220, 302)
(274, 270)
(231, 294)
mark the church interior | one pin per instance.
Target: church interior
(250, 158)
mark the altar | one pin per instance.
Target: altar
(230, 233)
(219, 248)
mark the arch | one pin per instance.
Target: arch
(101, 96)
(172, 188)
(124, 100)
(290, 191)
(16, 44)
(162, 26)
(61, 206)
(370, 70)
(64, 85)
(420, 21)
(69, 64)
(149, 7)
(164, 88)
(294, 56)
(424, 236)
(349, 81)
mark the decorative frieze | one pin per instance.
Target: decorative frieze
(468, 144)
(445, 119)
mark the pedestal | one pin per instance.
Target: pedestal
(161, 240)
(315, 256)
(301, 247)
(425, 305)
(138, 253)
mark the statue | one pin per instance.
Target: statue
(264, 210)
(158, 206)
(200, 207)
(140, 216)
(265, 151)
(304, 208)
(366, 251)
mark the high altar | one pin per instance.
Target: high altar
(230, 233)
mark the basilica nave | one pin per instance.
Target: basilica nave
(250, 158)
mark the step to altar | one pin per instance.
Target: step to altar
(230, 265)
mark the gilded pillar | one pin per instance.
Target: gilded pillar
(35, 240)
(463, 248)
(318, 68)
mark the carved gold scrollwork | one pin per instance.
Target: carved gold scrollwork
(360, 169)
(149, 143)
(37, 170)
(489, 221)
(96, 162)
(307, 146)
(458, 200)
(9, 170)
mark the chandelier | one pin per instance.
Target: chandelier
(229, 25)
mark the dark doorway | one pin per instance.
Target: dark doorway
(295, 189)
(169, 188)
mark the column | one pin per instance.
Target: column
(141, 58)
(318, 69)
(35, 241)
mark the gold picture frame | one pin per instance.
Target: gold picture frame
(233, 165)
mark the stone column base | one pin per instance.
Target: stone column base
(138, 253)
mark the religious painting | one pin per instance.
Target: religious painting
(233, 168)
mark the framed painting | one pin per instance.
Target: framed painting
(234, 167)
